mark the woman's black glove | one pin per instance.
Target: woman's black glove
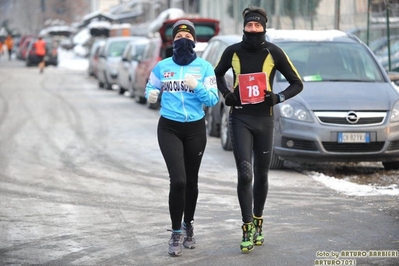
(271, 99)
(230, 98)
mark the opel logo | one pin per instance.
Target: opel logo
(352, 117)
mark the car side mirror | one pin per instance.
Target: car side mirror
(394, 76)
(138, 58)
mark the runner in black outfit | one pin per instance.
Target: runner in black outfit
(251, 119)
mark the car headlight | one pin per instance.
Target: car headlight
(395, 112)
(296, 111)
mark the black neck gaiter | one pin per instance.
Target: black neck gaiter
(183, 51)
(254, 41)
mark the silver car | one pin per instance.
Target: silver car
(131, 56)
(93, 57)
(347, 111)
(109, 59)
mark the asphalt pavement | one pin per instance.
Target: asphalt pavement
(82, 182)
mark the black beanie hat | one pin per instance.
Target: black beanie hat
(257, 17)
(183, 25)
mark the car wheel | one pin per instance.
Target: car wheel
(101, 84)
(107, 85)
(121, 90)
(153, 106)
(225, 132)
(211, 126)
(140, 99)
(391, 165)
(275, 162)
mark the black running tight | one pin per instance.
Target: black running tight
(252, 136)
(182, 146)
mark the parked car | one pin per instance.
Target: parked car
(151, 57)
(347, 111)
(110, 56)
(216, 123)
(23, 46)
(94, 55)
(205, 29)
(51, 57)
(131, 56)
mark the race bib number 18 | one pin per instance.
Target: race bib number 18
(252, 87)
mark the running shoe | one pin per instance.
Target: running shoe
(258, 236)
(175, 243)
(247, 243)
(188, 233)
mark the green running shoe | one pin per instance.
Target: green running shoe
(258, 236)
(247, 243)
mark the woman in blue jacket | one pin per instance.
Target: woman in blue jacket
(185, 83)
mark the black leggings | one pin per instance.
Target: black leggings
(182, 146)
(252, 135)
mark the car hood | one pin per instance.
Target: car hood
(114, 59)
(345, 95)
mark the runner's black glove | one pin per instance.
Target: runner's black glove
(229, 98)
(271, 99)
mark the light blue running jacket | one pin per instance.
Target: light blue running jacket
(179, 102)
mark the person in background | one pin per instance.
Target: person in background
(1, 48)
(40, 48)
(9, 43)
(184, 83)
(254, 62)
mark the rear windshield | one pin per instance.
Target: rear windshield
(332, 61)
(116, 48)
(202, 31)
(140, 49)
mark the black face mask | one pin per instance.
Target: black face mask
(254, 40)
(183, 51)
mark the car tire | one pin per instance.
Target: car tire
(153, 106)
(391, 165)
(121, 90)
(140, 99)
(211, 126)
(275, 162)
(101, 84)
(225, 137)
(107, 85)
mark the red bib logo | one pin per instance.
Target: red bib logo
(252, 87)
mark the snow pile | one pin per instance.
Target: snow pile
(353, 189)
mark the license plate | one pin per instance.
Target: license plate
(353, 137)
